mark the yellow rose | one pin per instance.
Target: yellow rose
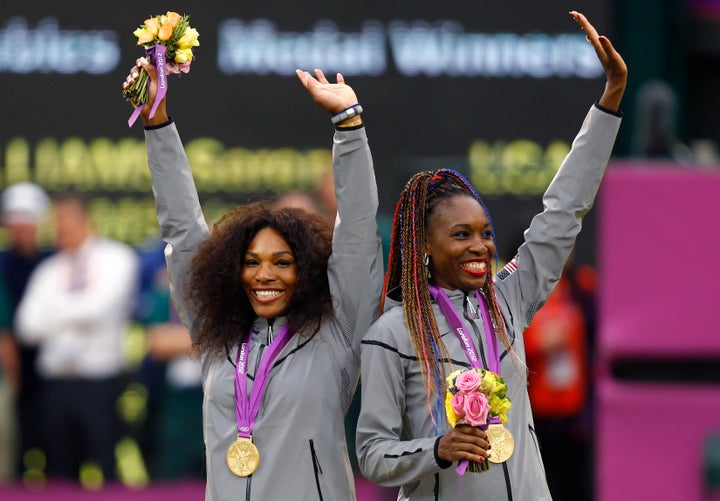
(143, 36)
(449, 411)
(183, 56)
(189, 39)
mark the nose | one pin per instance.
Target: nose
(478, 245)
(265, 273)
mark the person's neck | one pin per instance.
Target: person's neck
(26, 251)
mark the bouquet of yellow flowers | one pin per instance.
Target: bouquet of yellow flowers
(168, 40)
(478, 397)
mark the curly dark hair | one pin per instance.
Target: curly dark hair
(215, 290)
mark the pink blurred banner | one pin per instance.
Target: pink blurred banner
(651, 440)
(658, 239)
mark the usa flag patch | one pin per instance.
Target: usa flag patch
(508, 269)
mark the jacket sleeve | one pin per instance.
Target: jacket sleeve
(182, 224)
(527, 281)
(355, 268)
(385, 456)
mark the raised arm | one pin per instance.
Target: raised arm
(355, 268)
(182, 224)
(527, 281)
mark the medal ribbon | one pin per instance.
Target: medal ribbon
(467, 342)
(246, 409)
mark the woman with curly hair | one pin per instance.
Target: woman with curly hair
(277, 303)
(446, 309)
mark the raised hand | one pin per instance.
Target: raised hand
(161, 112)
(332, 97)
(615, 68)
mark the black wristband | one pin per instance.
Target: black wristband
(617, 113)
(159, 126)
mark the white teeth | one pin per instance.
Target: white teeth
(267, 294)
(474, 266)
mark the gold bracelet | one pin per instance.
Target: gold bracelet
(350, 123)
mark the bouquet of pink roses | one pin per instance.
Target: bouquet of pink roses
(476, 397)
(168, 40)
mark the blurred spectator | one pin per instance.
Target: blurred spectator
(178, 450)
(8, 423)
(558, 346)
(76, 309)
(656, 130)
(298, 200)
(151, 373)
(24, 206)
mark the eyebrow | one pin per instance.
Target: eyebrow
(469, 225)
(274, 254)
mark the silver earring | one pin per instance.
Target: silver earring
(426, 259)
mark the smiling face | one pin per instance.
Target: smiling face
(460, 244)
(269, 274)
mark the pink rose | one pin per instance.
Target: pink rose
(468, 381)
(458, 404)
(476, 409)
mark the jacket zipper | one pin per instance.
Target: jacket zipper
(537, 445)
(471, 321)
(481, 346)
(316, 468)
(248, 484)
(268, 338)
(506, 472)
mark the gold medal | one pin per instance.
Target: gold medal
(243, 457)
(502, 443)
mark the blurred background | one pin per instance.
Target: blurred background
(496, 90)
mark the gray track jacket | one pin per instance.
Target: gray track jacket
(395, 434)
(300, 430)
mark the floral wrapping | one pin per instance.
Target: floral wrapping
(476, 397)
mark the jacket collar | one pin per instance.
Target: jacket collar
(457, 296)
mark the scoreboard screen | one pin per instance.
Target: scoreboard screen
(496, 90)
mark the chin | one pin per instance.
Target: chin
(475, 284)
(270, 312)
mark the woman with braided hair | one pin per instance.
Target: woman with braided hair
(445, 309)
